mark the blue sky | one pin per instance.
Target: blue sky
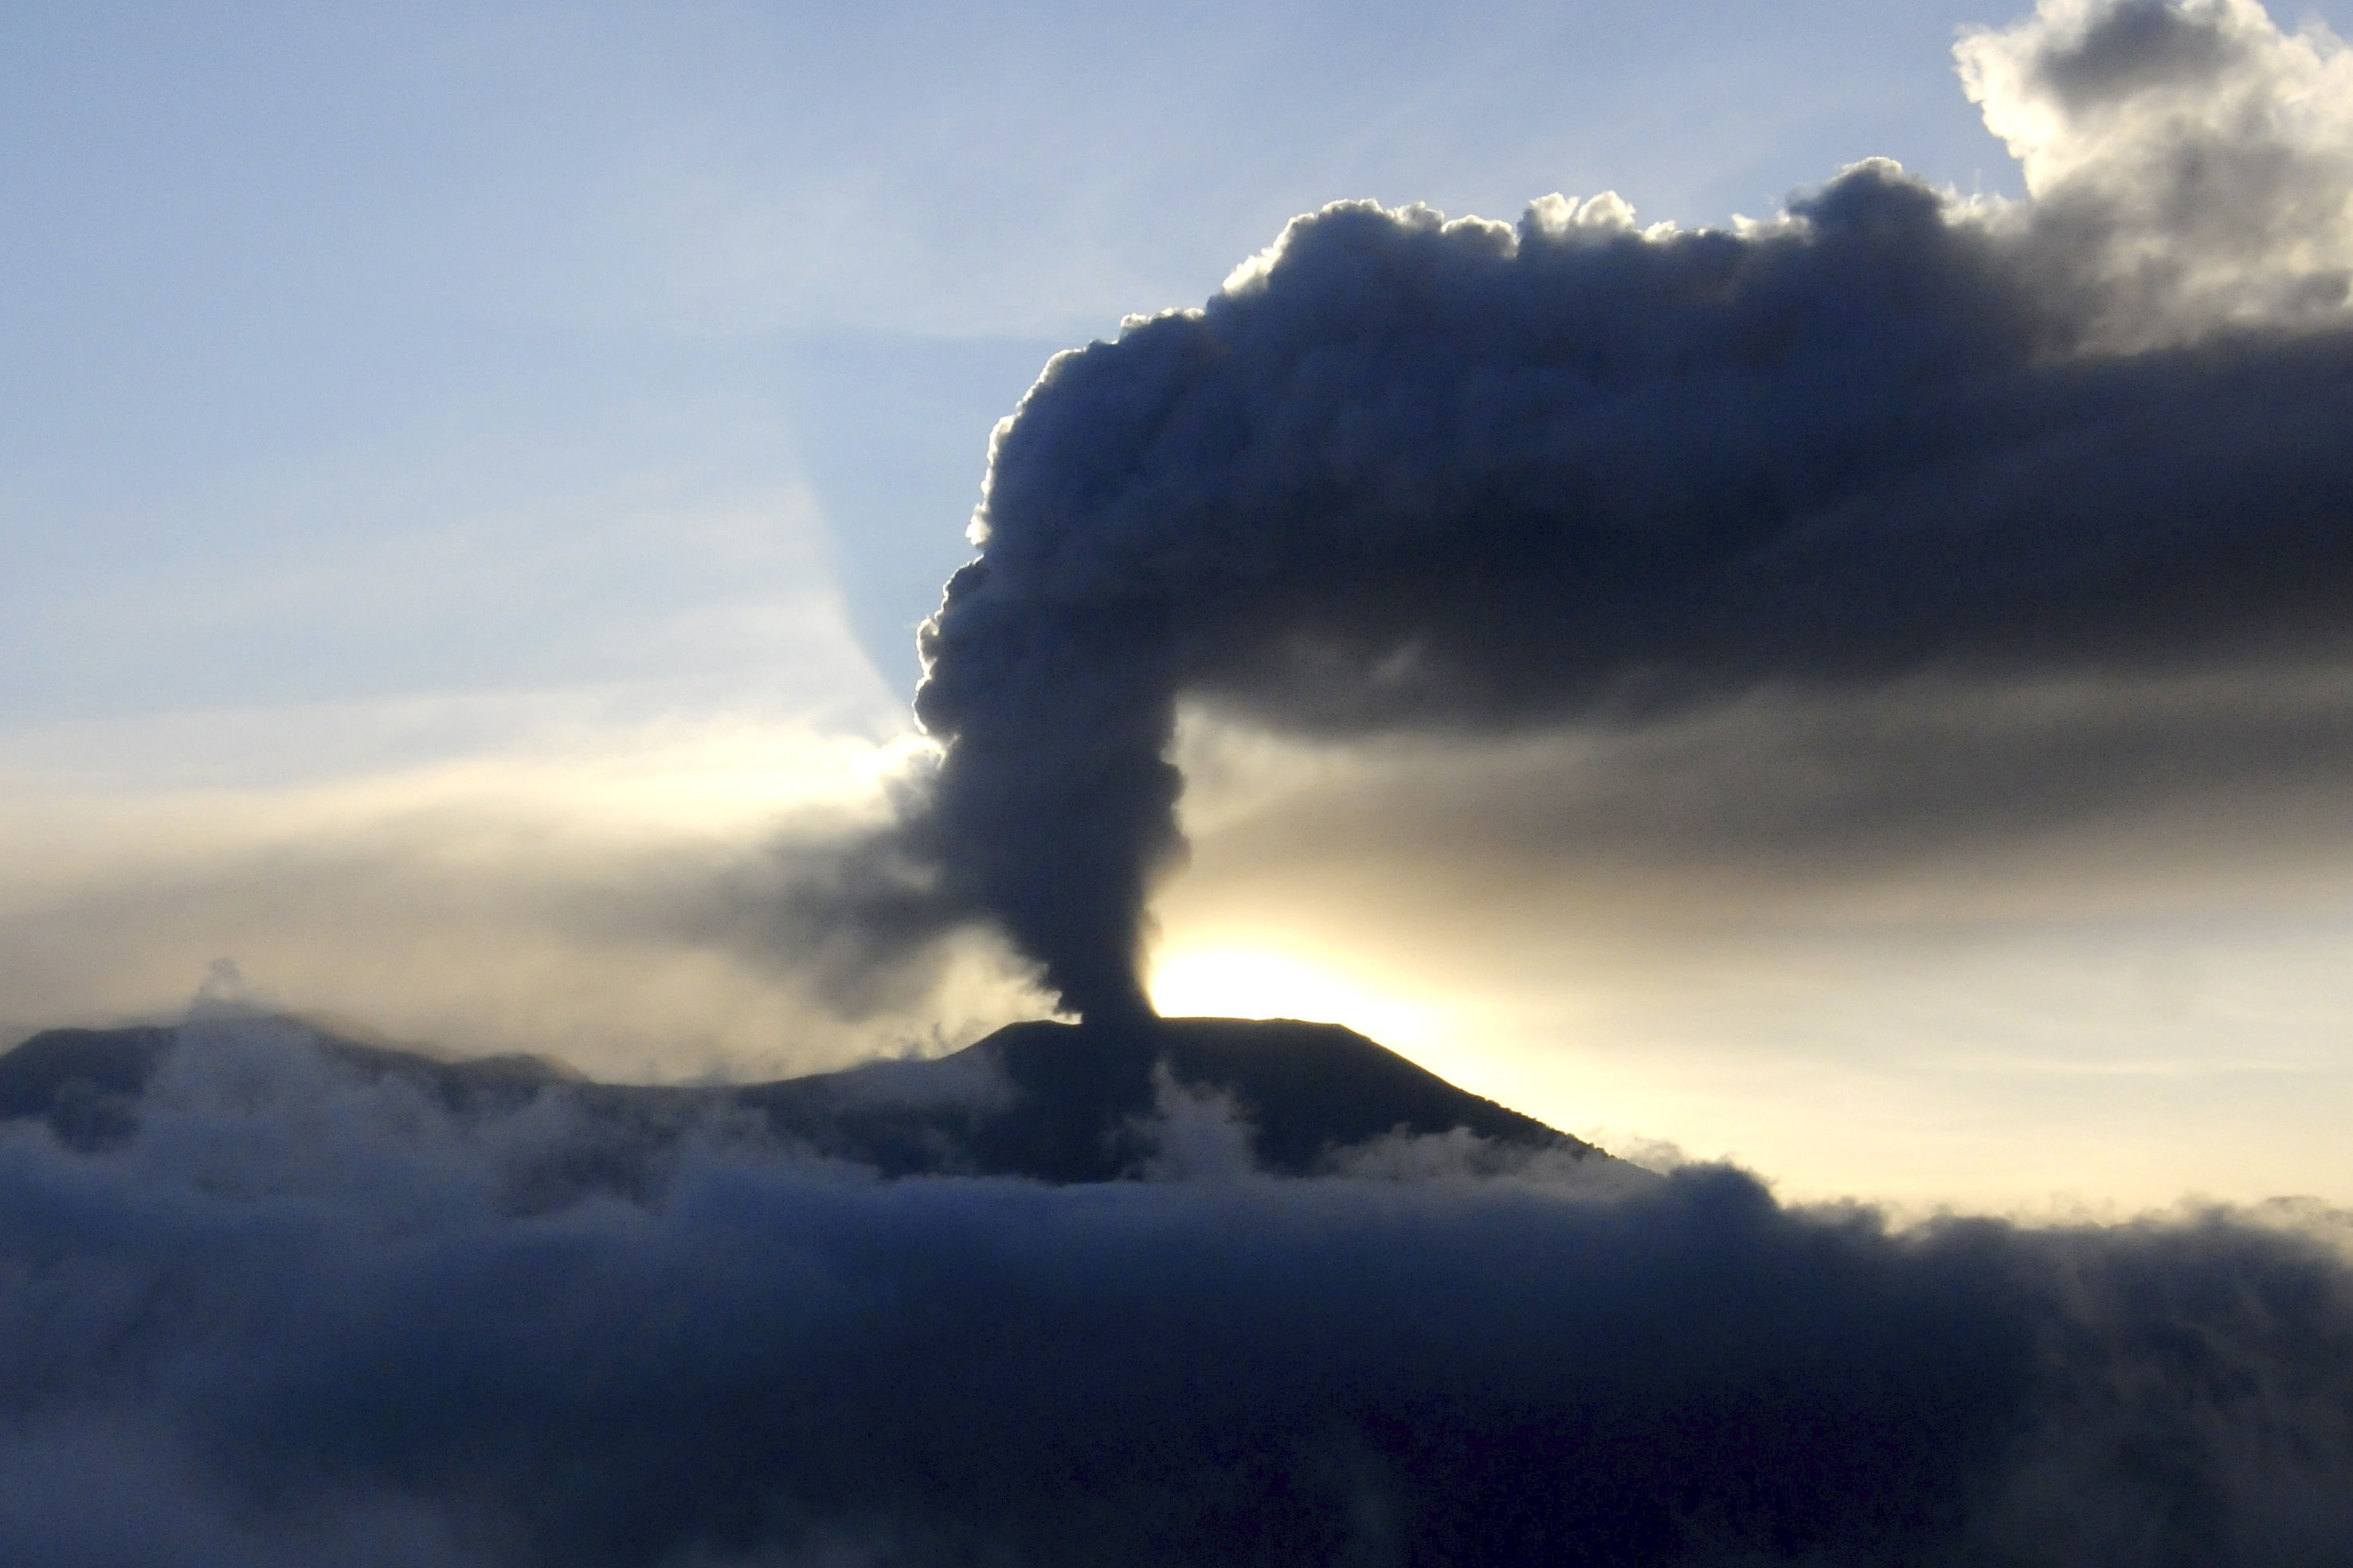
(418, 414)
(284, 286)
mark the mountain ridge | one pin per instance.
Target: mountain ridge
(1051, 1101)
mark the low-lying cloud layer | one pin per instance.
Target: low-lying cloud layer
(303, 1320)
(647, 901)
(1406, 474)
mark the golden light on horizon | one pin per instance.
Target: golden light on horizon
(1251, 980)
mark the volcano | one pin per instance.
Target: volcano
(1050, 1101)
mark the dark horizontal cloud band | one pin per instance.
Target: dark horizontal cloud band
(300, 1318)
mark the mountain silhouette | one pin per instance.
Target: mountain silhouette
(1055, 1102)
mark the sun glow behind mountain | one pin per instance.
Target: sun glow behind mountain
(1241, 978)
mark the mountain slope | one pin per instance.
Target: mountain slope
(1057, 1102)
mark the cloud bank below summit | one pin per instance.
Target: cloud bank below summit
(1406, 476)
(299, 1318)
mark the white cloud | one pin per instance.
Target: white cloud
(2195, 159)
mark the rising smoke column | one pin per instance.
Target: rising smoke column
(1404, 473)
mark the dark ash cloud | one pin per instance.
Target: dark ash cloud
(1414, 475)
(1409, 475)
(1810, 791)
(299, 1318)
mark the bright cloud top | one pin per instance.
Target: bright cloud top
(2198, 159)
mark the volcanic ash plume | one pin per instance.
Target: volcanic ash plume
(1462, 475)
(1403, 472)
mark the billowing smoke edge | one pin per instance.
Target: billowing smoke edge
(1404, 473)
